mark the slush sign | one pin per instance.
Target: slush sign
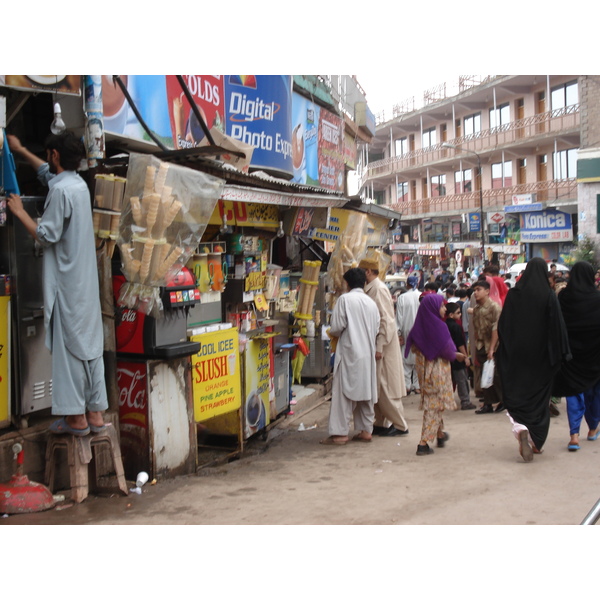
(546, 226)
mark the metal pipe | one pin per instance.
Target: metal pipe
(593, 516)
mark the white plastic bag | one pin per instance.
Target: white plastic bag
(487, 374)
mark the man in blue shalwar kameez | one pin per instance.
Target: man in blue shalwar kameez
(72, 314)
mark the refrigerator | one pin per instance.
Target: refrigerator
(22, 259)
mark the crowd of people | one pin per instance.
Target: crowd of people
(521, 346)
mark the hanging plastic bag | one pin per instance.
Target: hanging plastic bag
(487, 374)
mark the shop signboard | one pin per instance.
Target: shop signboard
(216, 374)
(245, 214)
(257, 377)
(546, 226)
(338, 222)
(258, 112)
(474, 222)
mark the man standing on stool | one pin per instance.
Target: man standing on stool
(72, 314)
(389, 410)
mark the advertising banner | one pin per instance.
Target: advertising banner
(317, 145)
(216, 374)
(331, 151)
(546, 226)
(149, 94)
(259, 112)
(258, 381)
(209, 95)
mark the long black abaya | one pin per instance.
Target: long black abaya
(533, 343)
(580, 305)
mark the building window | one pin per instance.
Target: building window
(499, 116)
(501, 175)
(402, 191)
(402, 147)
(438, 185)
(564, 95)
(463, 181)
(565, 164)
(429, 138)
(472, 124)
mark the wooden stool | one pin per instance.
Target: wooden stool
(80, 451)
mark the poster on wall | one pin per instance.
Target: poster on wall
(209, 96)
(258, 112)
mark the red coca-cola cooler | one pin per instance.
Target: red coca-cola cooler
(156, 408)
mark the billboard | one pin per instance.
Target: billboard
(317, 145)
(258, 112)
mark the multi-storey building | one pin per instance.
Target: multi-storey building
(497, 158)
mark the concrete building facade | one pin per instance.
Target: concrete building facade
(457, 166)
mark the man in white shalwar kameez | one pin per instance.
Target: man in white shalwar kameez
(355, 323)
(406, 313)
(389, 410)
(72, 313)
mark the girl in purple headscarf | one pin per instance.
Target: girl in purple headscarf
(432, 344)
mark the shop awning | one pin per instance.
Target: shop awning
(238, 193)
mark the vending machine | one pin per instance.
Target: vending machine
(156, 411)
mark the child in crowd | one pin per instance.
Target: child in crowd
(460, 377)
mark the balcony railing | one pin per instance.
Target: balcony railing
(495, 199)
(544, 124)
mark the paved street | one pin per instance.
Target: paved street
(477, 479)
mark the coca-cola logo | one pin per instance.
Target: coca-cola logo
(127, 327)
(132, 389)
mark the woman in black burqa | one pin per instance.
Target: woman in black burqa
(533, 344)
(579, 379)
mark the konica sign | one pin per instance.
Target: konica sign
(546, 226)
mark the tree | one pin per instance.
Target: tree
(586, 249)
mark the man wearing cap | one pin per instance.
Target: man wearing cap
(406, 313)
(389, 410)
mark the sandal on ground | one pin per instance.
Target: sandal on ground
(594, 437)
(360, 438)
(332, 441)
(573, 447)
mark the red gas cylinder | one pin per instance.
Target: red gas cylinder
(20, 495)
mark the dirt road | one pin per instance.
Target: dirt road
(477, 479)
